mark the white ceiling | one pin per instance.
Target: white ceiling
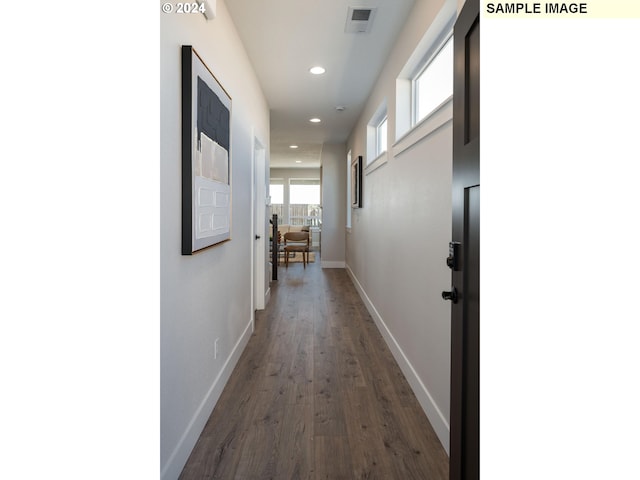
(284, 38)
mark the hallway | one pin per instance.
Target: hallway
(317, 395)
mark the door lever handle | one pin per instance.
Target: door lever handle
(258, 237)
(452, 295)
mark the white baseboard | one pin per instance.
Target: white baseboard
(439, 423)
(333, 264)
(172, 469)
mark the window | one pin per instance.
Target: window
(276, 190)
(434, 83)
(381, 137)
(425, 82)
(377, 133)
(304, 202)
(277, 193)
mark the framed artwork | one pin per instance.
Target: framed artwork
(356, 183)
(206, 156)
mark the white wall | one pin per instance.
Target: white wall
(334, 199)
(398, 243)
(207, 295)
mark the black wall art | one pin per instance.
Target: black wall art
(356, 183)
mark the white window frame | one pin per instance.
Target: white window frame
(377, 119)
(382, 134)
(428, 46)
(428, 62)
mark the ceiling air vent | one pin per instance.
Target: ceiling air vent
(359, 19)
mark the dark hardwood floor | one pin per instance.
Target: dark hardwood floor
(317, 395)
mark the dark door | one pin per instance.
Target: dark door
(464, 260)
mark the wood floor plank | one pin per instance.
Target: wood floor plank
(368, 453)
(328, 401)
(316, 395)
(296, 443)
(332, 458)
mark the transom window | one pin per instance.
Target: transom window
(381, 137)
(433, 85)
(377, 133)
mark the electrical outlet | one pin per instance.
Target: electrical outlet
(215, 348)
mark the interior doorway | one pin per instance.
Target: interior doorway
(260, 227)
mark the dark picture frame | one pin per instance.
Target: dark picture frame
(356, 182)
(206, 156)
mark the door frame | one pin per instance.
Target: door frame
(464, 444)
(259, 227)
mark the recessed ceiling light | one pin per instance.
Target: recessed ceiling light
(315, 120)
(317, 70)
(298, 161)
(293, 146)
